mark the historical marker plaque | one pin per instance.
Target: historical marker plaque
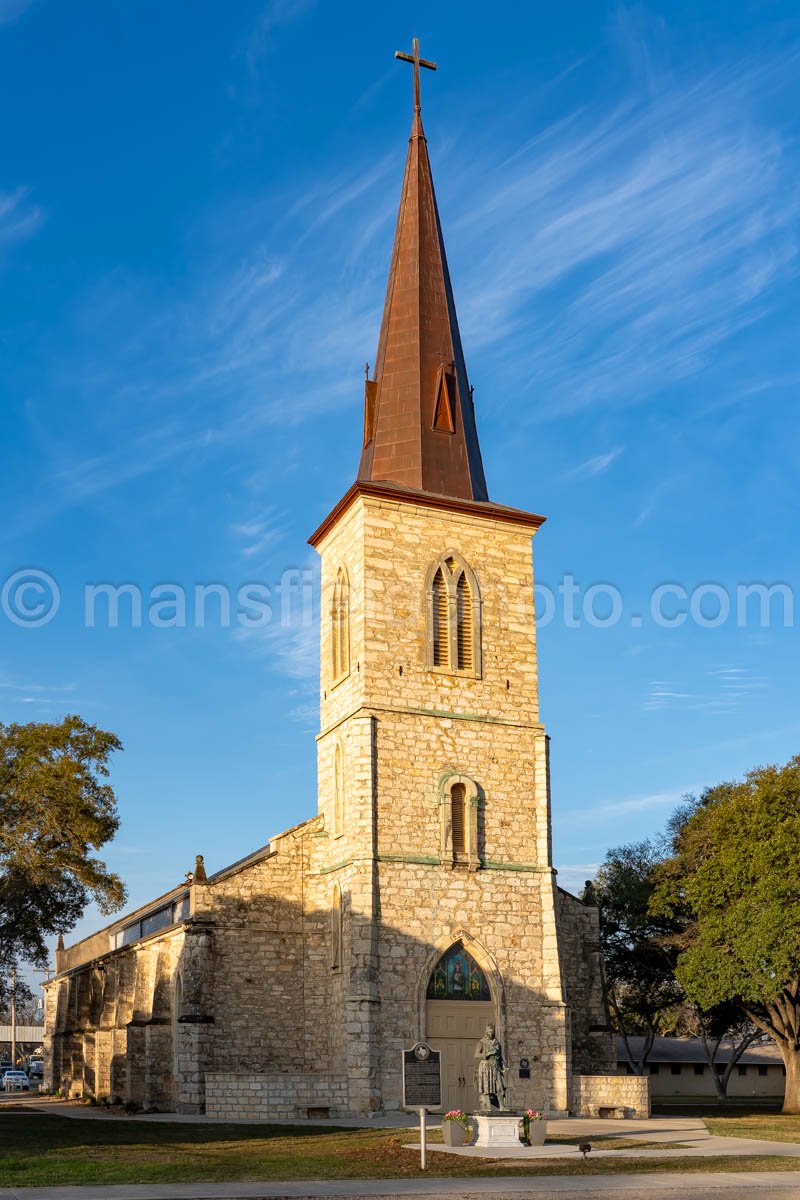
(422, 1077)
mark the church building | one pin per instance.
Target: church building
(420, 902)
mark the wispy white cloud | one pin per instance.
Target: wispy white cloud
(665, 223)
(572, 878)
(259, 533)
(19, 216)
(636, 812)
(652, 802)
(609, 254)
(11, 9)
(274, 16)
(725, 689)
(291, 638)
(596, 465)
(41, 695)
(295, 647)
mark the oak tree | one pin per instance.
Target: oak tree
(733, 877)
(56, 809)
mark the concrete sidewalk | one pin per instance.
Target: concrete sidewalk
(689, 1134)
(727, 1186)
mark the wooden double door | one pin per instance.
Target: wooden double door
(454, 1028)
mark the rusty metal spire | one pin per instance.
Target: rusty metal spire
(419, 420)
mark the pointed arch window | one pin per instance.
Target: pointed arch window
(454, 617)
(462, 822)
(441, 621)
(338, 790)
(457, 976)
(336, 928)
(465, 624)
(340, 627)
(458, 820)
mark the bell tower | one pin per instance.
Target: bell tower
(432, 761)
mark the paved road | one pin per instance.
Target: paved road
(762, 1185)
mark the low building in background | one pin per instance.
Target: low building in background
(678, 1068)
(29, 1038)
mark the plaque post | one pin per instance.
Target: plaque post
(422, 1088)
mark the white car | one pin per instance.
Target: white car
(16, 1081)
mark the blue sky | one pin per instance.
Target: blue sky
(196, 211)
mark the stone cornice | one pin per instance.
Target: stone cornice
(451, 504)
(478, 718)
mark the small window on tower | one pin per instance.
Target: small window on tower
(454, 617)
(340, 627)
(466, 633)
(458, 817)
(441, 621)
(443, 409)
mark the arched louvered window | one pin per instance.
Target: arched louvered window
(336, 928)
(454, 617)
(465, 624)
(458, 818)
(338, 790)
(340, 626)
(441, 621)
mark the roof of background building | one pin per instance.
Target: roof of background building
(690, 1050)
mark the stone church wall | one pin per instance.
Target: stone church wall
(300, 973)
(427, 911)
(248, 1096)
(111, 1025)
(579, 945)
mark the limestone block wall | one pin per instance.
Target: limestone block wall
(424, 727)
(260, 1096)
(262, 983)
(110, 1025)
(386, 547)
(346, 551)
(499, 915)
(582, 973)
(628, 1093)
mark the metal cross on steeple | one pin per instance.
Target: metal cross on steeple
(418, 62)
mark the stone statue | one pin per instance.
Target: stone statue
(490, 1072)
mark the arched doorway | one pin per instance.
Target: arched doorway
(458, 1006)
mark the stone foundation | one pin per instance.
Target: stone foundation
(611, 1095)
(260, 1097)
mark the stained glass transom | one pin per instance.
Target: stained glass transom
(457, 976)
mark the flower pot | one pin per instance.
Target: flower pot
(454, 1133)
(537, 1132)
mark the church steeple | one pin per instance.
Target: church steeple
(419, 420)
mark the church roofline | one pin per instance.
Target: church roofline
(398, 493)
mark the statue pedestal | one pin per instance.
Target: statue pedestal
(496, 1128)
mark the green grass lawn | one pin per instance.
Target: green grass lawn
(37, 1149)
(772, 1126)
